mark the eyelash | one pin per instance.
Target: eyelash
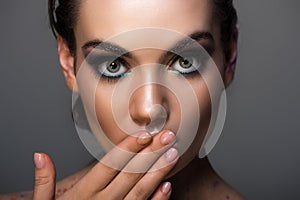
(94, 63)
(107, 78)
(114, 79)
(174, 60)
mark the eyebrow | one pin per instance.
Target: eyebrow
(106, 46)
(196, 36)
(179, 46)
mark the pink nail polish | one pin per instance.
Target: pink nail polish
(171, 154)
(166, 187)
(167, 137)
(39, 160)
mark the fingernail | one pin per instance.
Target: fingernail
(171, 154)
(167, 137)
(39, 160)
(166, 187)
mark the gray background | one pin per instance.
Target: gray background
(258, 150)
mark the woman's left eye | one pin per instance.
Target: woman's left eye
(186, 65)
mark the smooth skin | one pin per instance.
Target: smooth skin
(186, 176)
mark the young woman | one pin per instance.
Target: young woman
(81, 25)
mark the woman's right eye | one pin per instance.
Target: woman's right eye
(113, 70)
(108, 68)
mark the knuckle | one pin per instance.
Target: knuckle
(139, 192)
(104, 195)
(43, 180)
(129, 176)
(165, 169)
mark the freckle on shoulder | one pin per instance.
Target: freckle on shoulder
(234, 196)
(222, 190)
(230, 193)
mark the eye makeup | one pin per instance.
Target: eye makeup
(110, 62)
(107, 67)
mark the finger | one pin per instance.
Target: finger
(146, 185)
(146, 157)
(44, 184)
(163, 192)
(140, 164)
(109, 166)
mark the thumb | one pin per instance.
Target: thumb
(44, 181)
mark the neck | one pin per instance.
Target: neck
(197, 180)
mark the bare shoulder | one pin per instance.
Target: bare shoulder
(227, 192)
(233, 195)
(217, 188)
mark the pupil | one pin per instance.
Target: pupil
(113, 67)
(185, 63)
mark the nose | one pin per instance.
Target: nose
(148, 107)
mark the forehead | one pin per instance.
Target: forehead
(105, 18)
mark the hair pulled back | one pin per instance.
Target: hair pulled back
(63, 16)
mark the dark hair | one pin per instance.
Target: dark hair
(63, 16)
(227, 16)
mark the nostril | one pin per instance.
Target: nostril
(141, 120)
(158, 117)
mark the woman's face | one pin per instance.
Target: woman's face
(102, 19)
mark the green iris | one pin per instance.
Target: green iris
(113, 67)
(185, 63)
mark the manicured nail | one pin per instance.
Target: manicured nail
(166, 187)
(171, 154)
(39, 160)
(167, 137)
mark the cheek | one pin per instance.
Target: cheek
(203, 97)
(204, 101)
(104, 113)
